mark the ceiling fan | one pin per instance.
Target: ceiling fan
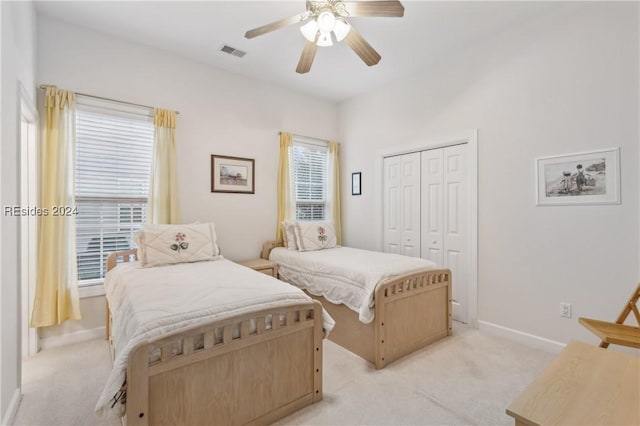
(329, 16)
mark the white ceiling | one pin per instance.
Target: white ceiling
(425, 35)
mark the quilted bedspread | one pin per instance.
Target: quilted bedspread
(343, 274)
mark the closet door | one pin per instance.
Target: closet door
(456, 218)
(410, 205)
(402, 204)
(445, 218)
(391, 203)
(432, 181)
(426, 213)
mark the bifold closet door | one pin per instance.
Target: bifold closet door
(432, 205)
(401, 201)
(444, 210)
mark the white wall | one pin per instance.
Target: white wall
(18, 66)
(91, 326)
(566, 82)
(220, 113)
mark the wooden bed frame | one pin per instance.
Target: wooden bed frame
(411, 311)
(255, 378)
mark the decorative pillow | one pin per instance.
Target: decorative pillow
(169, 244)
(315, 235)
(289, 236)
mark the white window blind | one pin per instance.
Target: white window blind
(309, 163)
(113, 165)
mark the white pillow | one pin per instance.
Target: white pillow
(315, 235)
(289, 234)
(170, 244)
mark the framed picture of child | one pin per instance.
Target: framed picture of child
(580, 178)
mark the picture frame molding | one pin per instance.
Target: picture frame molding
(217, 186)
(541, 199)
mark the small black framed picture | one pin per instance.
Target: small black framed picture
(356, 183)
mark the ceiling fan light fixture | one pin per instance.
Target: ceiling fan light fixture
(341, 29)
(310, 30)
(324, 17)
(324, 40)
(326, 21)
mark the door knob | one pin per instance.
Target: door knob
(434, 242)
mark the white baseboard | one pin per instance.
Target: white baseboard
(521, 337)
(12, 409)
(70, 338)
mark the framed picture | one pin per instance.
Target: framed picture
(232, 174)
(580, 178)
(356, 184)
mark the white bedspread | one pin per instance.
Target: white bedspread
(344, 275)
(148, 302)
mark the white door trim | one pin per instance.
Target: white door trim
(469, 137)
(28, 226)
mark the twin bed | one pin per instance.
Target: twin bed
(217, 343)
(385, 305)
(246, 350)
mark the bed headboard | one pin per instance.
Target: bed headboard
(270, 245)
(124, 256)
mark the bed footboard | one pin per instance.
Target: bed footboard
(268, 370)
(411, 311)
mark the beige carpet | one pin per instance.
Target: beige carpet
(466, 379)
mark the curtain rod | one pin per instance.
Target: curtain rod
(44, 86)
(307, 137)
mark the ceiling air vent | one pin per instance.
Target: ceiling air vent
(233, 51)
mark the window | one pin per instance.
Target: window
(309, 164)
(113, 166)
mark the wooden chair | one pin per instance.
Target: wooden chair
(616, 332)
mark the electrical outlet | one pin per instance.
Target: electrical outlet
(565, 309)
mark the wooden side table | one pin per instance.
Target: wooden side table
(261, 265)
(584, 385)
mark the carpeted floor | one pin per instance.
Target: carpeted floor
(467, 379)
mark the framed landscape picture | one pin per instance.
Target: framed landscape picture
(232, 174)
(579, 178)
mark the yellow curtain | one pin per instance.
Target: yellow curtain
(163, 187)
(56, 298)
(284, 183)
(334, 188)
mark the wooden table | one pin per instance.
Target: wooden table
(584, 385)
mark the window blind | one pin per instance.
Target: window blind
(113, 164)
(310, 180)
